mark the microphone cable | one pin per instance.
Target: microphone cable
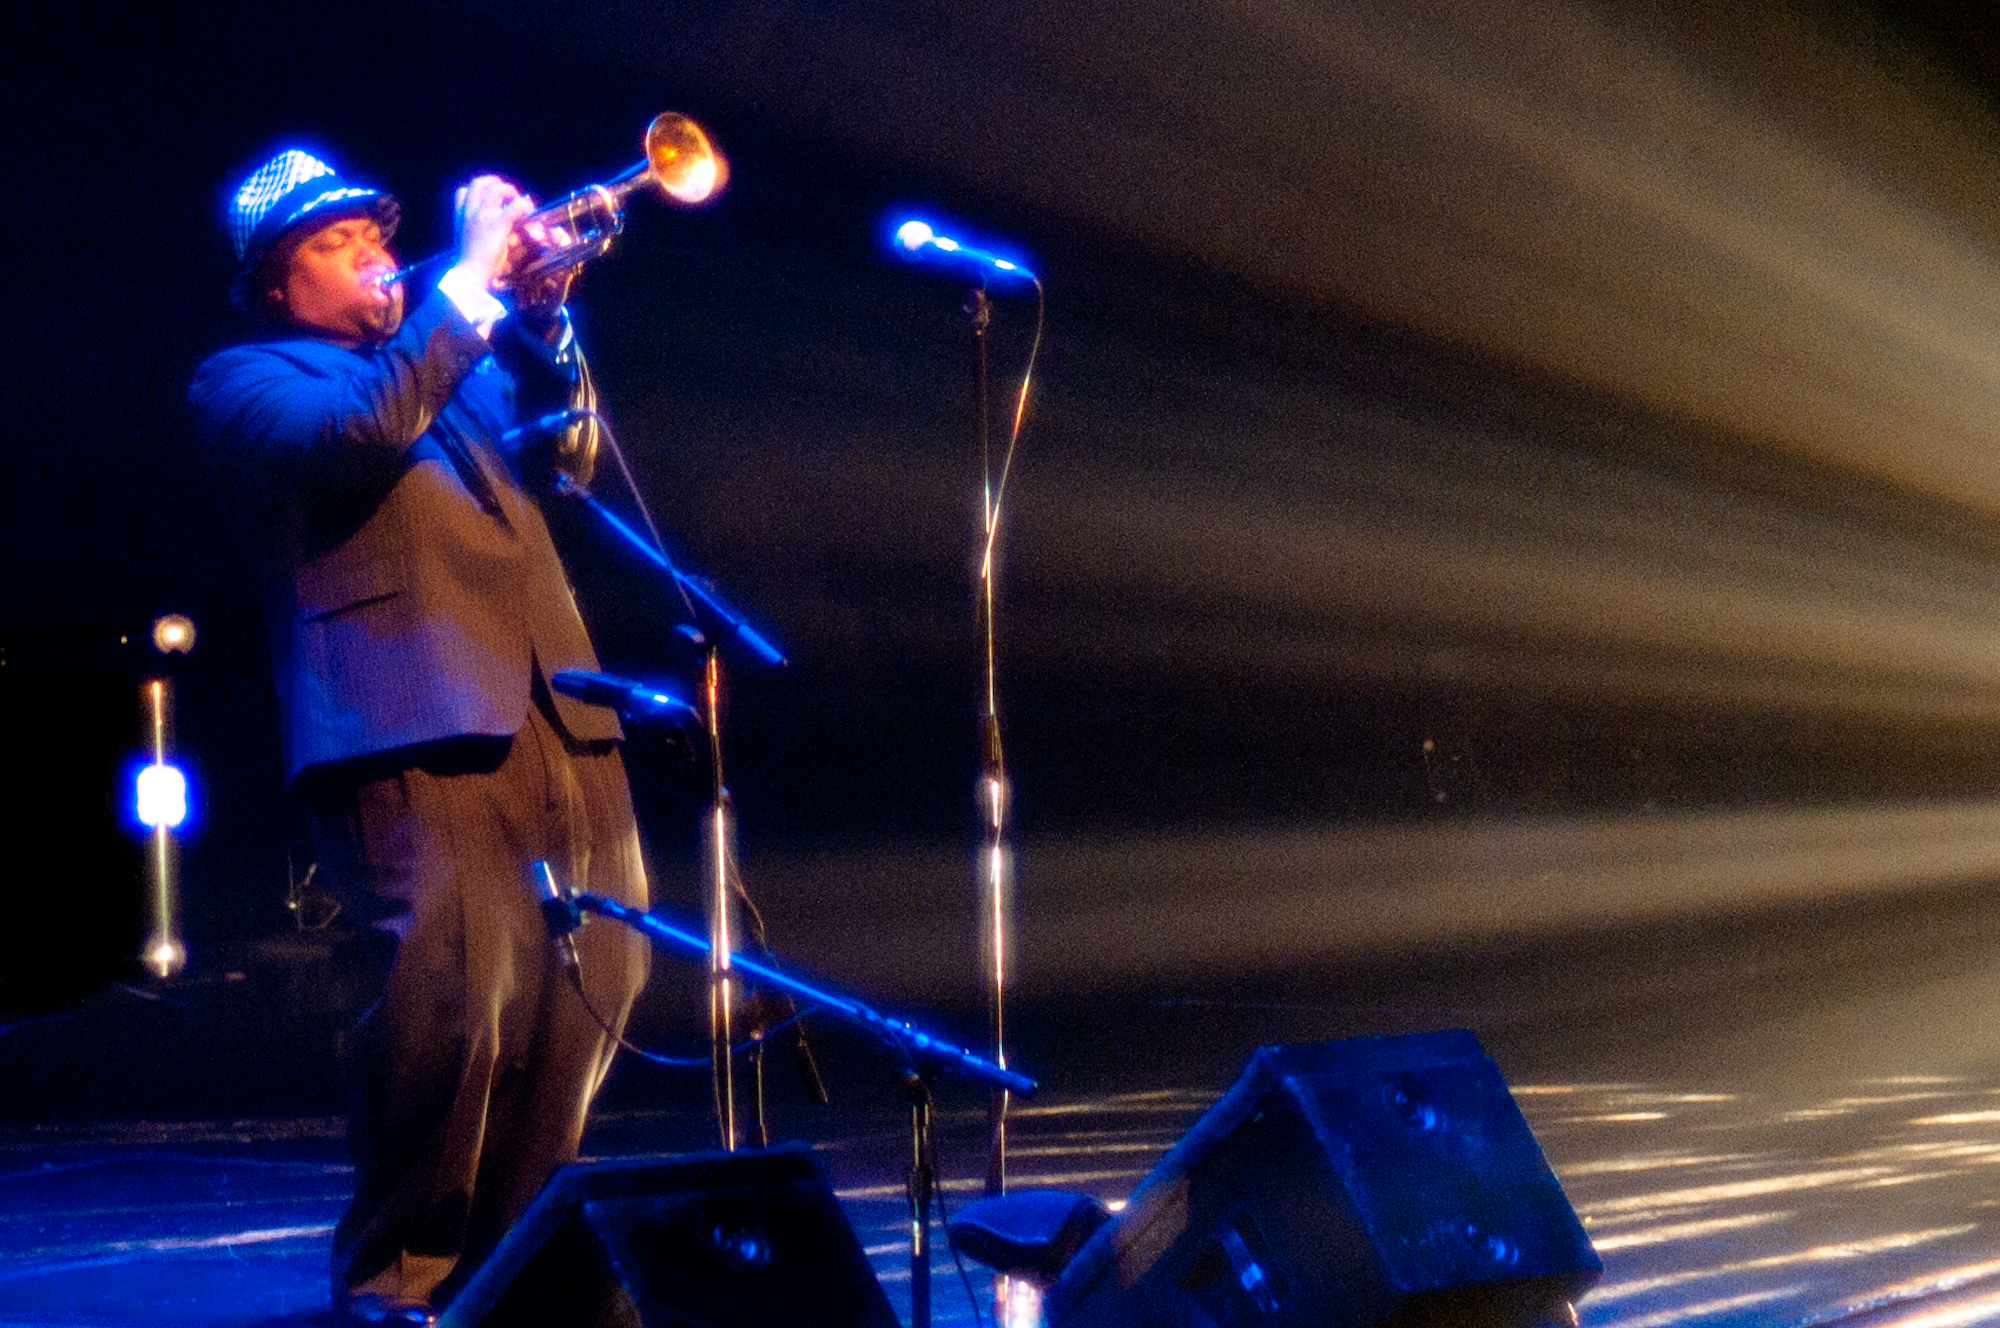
(997, 495)
(661, 1058)
(586, 396)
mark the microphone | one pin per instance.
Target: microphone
(918, 240)
(636, 701)
(559, 914)
(548, 425)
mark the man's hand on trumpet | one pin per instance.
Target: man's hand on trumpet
(488, 210)
(495, 239)
(538, 300)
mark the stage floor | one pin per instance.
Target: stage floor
(1867, 1205)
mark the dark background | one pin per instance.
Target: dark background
(1219, 404)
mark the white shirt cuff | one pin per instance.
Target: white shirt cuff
(480, 306)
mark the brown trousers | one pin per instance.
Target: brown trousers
(470, 1076)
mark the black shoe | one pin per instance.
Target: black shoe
(369, 1310)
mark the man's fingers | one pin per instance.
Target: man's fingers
(494, 239)
(488, 209)
(546, 236)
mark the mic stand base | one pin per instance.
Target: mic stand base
(920, 1052)
(922, 1184)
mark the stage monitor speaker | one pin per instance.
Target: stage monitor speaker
(748, 1240)
(1386, 1182)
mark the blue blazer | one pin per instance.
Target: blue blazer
(411, 588)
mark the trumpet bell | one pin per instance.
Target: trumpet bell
(681, 159)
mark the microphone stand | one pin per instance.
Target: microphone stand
(722, 944)
(995, 919)
(700, 590)
(720, 829)
(995, 886)
(922, 1054)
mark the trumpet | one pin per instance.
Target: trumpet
(681, 162)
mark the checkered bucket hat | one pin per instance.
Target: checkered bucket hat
(291, 188)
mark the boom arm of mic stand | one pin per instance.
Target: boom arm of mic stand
(919, 1046)
(738, 625)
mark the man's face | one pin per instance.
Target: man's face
(333, 283)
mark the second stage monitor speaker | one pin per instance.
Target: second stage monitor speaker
(1373, 1183)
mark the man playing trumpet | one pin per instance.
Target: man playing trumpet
(416, 610)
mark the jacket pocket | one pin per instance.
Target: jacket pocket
(327, 615)
(346, 581)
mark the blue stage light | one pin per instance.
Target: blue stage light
(161, 796)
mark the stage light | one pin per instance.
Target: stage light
(1017, 1303)
(165, 958)
(173, 634)
(161, 796)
